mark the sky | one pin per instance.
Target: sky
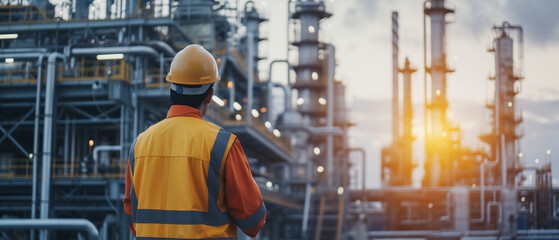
(361, 33)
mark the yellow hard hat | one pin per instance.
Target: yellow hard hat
(193, 65)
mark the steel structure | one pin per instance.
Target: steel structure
(85, 85)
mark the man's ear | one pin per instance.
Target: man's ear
(208, 98)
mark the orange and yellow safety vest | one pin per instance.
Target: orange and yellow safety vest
(189, 179)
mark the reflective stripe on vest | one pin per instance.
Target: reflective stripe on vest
(213, 217)
(254, 219)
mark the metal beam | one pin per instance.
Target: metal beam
(8, 133)
(82, 112)
(25, 152)
(104, 114)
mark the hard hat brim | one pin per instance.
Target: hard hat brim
(190, 90)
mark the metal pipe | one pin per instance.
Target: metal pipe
(330, 112)
(121, 137)
(24, 50)
(99, 148)
(498, 204)
(66, 144)
(482, 191)
(250, 75)
(287, 95)
(27, 55)
(307, 202)
(76, 224)
(232, 94)
(136, 113)
(144, 50)
(73, 149)
(161, 69)
(109, 219)
(164, 46)
(270, 84)
(363, 165)
(36, 140)
(47, 137)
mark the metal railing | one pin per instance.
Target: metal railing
(26, 13)
(155, 78)
(14, 76)
(116, 70)
(20, 168)
(96, 70)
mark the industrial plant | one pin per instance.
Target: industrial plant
(79, 80)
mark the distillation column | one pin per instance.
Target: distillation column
(310, 82)
(407, 136)
(311, 85)
(437, 164)
(506, 119)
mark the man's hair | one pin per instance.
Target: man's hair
(189, 100)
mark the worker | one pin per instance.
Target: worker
(187, 178)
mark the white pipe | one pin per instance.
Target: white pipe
(36, 140)
(120, 49)
(47, 137)
(99, 148)
(77, 224)
(287, 95)
(271, 84)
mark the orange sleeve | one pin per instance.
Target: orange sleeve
(127, 201)
(243, 198)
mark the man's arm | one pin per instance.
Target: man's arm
(126, 201)
(128, 190)
(243, 197)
